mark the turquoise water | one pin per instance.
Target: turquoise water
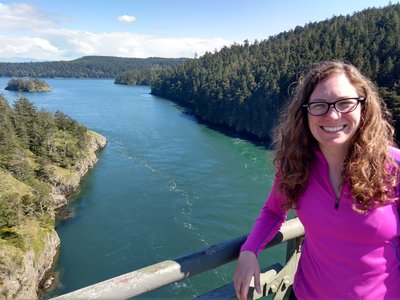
(164, 186)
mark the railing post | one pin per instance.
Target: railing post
(278, 282)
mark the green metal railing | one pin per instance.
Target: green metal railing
(275, 279)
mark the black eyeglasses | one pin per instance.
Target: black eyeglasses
(344, 106)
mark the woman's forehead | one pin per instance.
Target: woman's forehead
(334, 86)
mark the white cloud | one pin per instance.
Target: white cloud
(19, 16)
(28, 47)
(25, 32)
(44, 44)
(126, 19)
(132, 45)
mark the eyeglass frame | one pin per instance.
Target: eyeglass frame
(359, 99)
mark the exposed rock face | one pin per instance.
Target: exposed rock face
(62, 187)
(22, 272)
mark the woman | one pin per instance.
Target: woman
(336, 166)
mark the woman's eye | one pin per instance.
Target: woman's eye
(345, 104)
(318, 106)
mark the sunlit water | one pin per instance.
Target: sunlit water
(164, 186)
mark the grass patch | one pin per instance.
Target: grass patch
(10, 185)
(61, 174)
(33, 235)
(30, 236)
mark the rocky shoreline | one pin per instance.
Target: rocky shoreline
(65, 186)
(32, 274)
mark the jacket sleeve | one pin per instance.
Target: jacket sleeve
(268, 222)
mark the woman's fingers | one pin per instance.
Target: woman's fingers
(242, 290)
(257, 281)
(247, 267)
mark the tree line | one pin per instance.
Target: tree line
(245, 86)
(85, 67)
(138, 76)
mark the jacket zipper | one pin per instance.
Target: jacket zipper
(337, 203)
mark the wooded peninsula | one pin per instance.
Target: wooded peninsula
(42, 159)
(244, 87)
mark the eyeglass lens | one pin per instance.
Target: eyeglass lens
(342, 106)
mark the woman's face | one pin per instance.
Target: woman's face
(334, 130)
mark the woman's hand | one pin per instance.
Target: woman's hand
(246, 268)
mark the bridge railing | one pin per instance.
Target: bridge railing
(275, 279)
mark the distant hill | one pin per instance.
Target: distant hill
(85, 67)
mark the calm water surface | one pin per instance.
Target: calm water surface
(164, 186)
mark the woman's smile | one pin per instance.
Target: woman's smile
(333, 129)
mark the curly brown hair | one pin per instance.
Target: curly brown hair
(367, 161)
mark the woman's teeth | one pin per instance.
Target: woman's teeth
(333, 129)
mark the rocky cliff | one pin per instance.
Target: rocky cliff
(23, 268)
(65, 182)
(22, 272)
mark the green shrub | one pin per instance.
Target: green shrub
(12, 237)
(9, 210)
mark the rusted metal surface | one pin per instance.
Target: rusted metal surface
(155, 276)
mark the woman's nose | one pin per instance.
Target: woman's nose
(333, 113)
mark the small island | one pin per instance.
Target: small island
(27, 85)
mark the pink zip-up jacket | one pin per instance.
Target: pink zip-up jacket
(345, 254)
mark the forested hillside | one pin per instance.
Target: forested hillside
(245, 86)
(85, 67)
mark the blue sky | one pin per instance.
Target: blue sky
(68, 29)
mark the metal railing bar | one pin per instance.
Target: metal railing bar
(155, 276)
